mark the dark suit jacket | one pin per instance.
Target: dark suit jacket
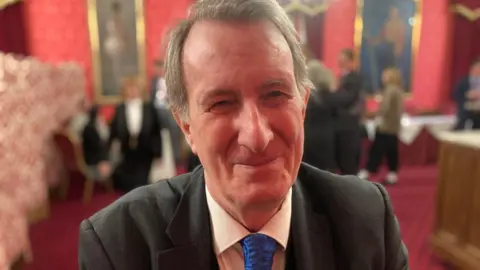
(95, 149)
(350, 96)
(319, 146)
(149, 139)
(153, 88)
(459, 96)
(337, 223)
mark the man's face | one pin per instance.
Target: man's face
(475, 71)
(133, 92)
(245, 111)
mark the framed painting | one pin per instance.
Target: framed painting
(387, 34)
(117, 39)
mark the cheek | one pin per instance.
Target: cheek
(212, 136)
(289, 123)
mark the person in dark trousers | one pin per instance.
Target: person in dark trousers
(94, 146)
(348, 115)
(463, 96)
(319, 146)
(136, 127)
(389, 119)
(158, 96)
(238, 87)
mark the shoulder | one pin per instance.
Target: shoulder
(149, 208)
(344, 198)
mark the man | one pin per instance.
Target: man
(78, 122)
(158, 87)
(348, 116)
(467, 99)
(253, 205)
(158, 94)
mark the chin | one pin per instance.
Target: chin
(267, 189)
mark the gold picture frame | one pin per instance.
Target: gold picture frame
(6, 3)
(108, 50)
(414, 44)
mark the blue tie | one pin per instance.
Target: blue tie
(258, 251)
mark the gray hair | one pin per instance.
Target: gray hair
(321, 77)
(228, 10)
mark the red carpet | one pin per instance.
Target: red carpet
(55, 240)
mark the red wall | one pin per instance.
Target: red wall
(430, 83)
(58, 30)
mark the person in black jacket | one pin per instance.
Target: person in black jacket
(95, 149)
(238, 86)
(348, 115)
(319, 147)
(136, 126)
(468, 84)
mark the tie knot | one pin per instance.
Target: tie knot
(258, 251)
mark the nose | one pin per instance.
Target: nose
(254, 129)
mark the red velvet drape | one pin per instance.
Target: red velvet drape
(466, 41)
(12, 29)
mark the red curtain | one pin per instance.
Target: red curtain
(12, 29)
(466, 40)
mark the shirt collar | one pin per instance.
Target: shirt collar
(226, 231)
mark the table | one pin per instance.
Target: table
(456, 235)
(418, 138)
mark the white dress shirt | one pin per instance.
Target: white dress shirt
(161, 93)
(134, 114)
(227, 233)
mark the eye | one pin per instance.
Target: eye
(276, 98)
(222, 106)
(222, 103)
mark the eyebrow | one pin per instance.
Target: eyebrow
(221, 92)
(274, 83)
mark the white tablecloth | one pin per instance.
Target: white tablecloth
(412, 126)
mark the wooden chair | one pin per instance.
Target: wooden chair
(74, 161)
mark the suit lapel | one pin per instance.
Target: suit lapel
(122, 121)
(144, 128)
(189, 231)
(310, 244)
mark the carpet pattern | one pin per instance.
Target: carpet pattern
(54, 241)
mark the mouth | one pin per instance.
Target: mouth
(258, 162)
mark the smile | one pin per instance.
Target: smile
(258, 162)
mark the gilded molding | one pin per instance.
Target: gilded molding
(6, 3)
(468, 13)
(296, 6)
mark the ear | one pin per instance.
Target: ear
(185, 127)
(305, 102)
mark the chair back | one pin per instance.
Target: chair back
(71, 151)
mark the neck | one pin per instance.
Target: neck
(254, 218)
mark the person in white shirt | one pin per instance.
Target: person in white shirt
(158, 95)
(78, 122)
(136, 127)
(238, 87)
